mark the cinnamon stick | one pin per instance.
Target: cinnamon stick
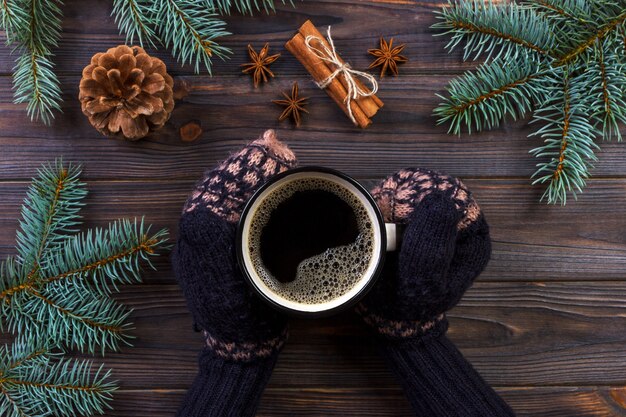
(320, 72)
(369, 104)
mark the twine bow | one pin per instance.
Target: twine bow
(350, 75)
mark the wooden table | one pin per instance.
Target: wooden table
(545, 324)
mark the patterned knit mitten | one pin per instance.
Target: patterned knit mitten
(243, 336)
(445, 246)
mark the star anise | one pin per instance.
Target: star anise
(259, 65)
(388, 57)
(293, 104)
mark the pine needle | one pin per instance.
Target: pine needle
(57, 293)
(34, 381)
(494, 30)
(568, 139)
(562, 60)
(190, 31)
(34, 80)
(133, 17)
(483, 98)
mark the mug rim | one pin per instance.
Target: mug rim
(362, 291)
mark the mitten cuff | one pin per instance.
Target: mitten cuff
(439, 381)
(399, 330)
(226, 388)
(246, 351)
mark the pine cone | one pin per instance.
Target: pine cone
(127, 93)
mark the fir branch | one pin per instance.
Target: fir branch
(597, 35)
(74, 285)
(568, 140)
(74, 317)
(36, 382)
(19, 357)
(105, 257)
(574, 11)
(481, 99)
(60, 283)
(78, 319)
(579, 95)
(36, 85)
(11, 18)
(44, 25)
(133, 18)
(571, 21)
(607, 93)
(494, 30)
(50, 212)
(34, 80)
(190, 29)
(225, 7)
(11, 279)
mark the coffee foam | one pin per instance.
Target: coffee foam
(329, 275)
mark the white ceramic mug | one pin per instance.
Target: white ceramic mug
(386, 238)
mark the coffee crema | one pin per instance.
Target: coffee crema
(328, 240)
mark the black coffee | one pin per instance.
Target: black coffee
(306, 224)
(311, 240)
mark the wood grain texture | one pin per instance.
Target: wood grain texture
(514, 334)
(88, 28)
(231, 113)
(527, 402)
(526, 334)
(593, 250)
(339, 352)
(545, 323)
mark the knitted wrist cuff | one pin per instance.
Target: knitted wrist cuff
(402, 329)
(226, 388)
(246, 352)
(439, 381)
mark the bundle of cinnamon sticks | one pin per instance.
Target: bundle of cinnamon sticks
(363, 107)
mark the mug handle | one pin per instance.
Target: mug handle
(394, 234)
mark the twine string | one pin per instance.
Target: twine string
(329, 55)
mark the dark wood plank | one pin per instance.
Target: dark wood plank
(544, 324)
(531, 241)
(530, 402)
(403, 134)
(515, 334)
(527, 402)
(88, 28)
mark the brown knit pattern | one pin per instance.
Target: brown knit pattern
(226, 189)
(402, 329)
(245, 352)
(398, 195)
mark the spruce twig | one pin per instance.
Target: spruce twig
(37, 382)
(225, 7)
(563, 60)
(57, 292)
(190, 31)
(482, 99)
(493, 31)
(568, 140)
(11, 18)
(34, 80)
(133, 19)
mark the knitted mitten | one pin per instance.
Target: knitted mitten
(445, 246)
(243, 336)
